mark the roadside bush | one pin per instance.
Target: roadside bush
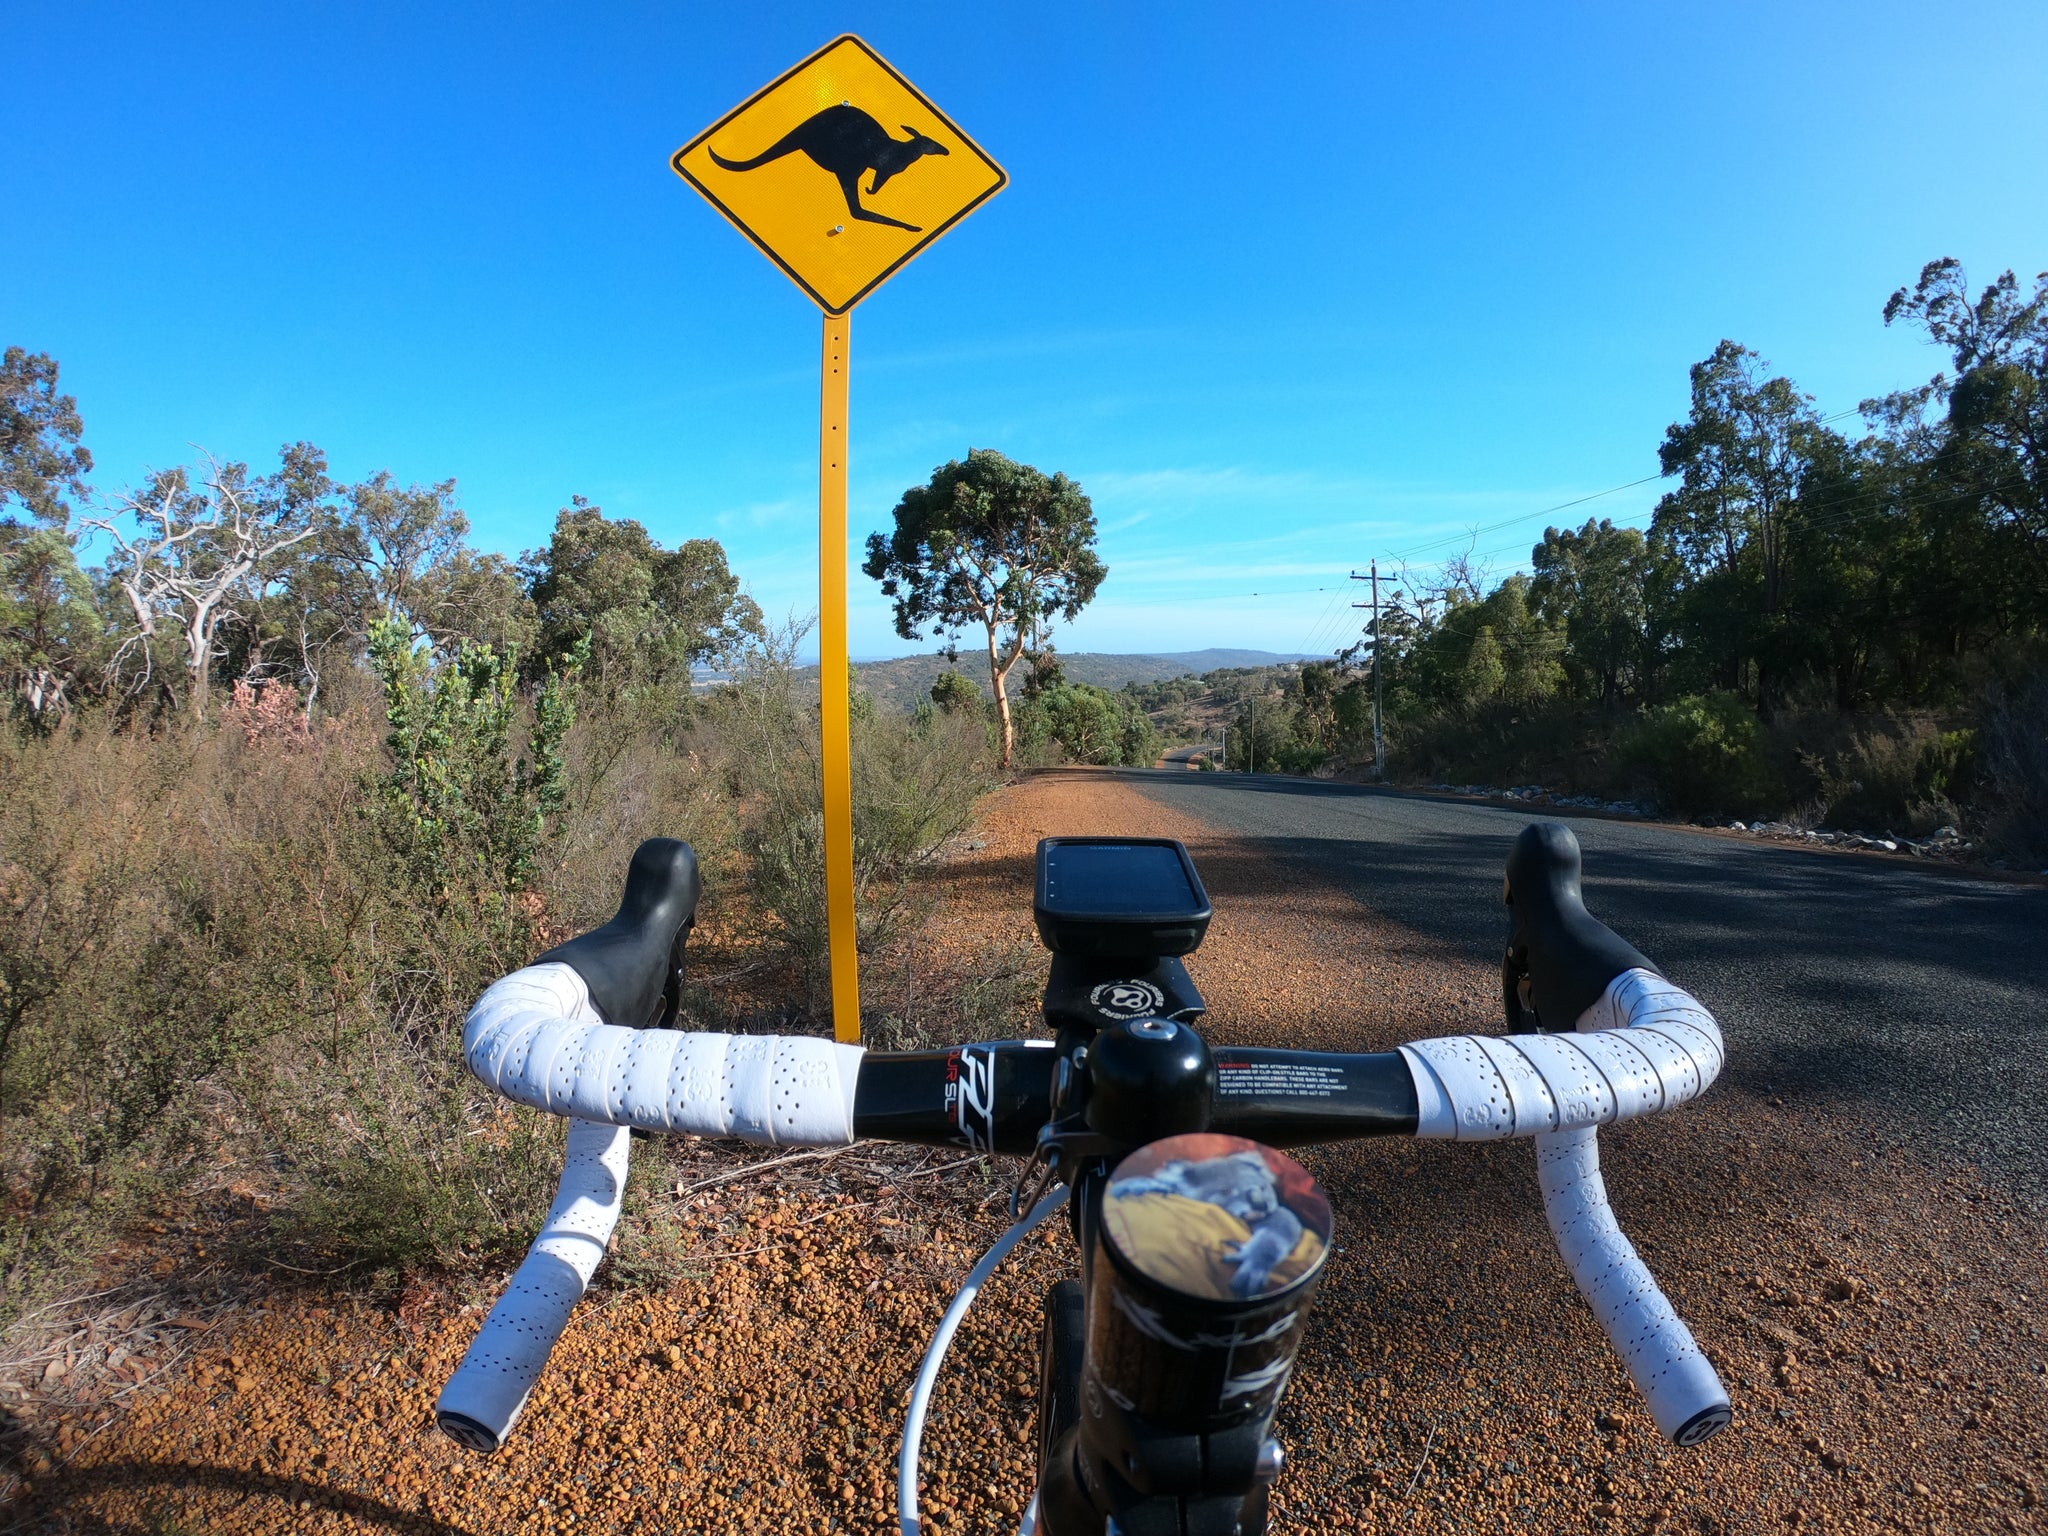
(916, 780)
(1092, 725)
(1262, 739)
(248, 948)
(954, 692)
(1555, 742)
(172, 906)
(1906, 775)
(2016, 771)
(390, 1153)
(1706, 755)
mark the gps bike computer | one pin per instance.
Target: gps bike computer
(1136, 897)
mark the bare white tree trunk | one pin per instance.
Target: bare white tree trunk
(186, 561)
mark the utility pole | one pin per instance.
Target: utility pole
(1378, 739)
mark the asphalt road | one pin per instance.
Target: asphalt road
(1917, 998)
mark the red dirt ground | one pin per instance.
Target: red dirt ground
(1876, 1318)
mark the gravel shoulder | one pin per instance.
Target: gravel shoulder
(1873, 1303)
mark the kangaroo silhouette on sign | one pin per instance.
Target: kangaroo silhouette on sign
(846, 141)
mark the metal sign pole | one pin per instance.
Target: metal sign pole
(834, 678)
(787, 172)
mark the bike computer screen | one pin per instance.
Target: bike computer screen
(1136, 897)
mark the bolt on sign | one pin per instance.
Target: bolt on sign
(840, 171)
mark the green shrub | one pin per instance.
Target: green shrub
(1262, 737)
(1559, 742)
(456, 804)
(1092, 725)
(175, 907)
(2016, 772)
(955, 692)
(1705, 754)
(1906, 775)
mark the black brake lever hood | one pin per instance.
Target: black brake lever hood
(633, 965)
(1568, 954)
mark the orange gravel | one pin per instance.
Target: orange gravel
(1875, 1317)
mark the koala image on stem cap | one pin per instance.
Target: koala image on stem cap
(1217, 1217)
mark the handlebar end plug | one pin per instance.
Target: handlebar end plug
(467, 1432)
(1704, 1425)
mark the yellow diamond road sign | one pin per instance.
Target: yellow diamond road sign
(840, 171)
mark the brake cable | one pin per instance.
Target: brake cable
(942, 1339)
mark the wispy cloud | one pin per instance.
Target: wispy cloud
(762, 515)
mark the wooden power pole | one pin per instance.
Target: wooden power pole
(1378, 738)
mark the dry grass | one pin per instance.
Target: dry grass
(218, 960)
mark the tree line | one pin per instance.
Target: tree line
(214, 572)
(1792, 565)
(1803, 601)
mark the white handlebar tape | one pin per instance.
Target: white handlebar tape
(483, 1400)
(1677, 1381)
(1646, 1045)
(536, 1038)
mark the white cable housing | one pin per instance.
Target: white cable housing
(537, 1038)
(483, 1400)
(1678, 1383)
(1645, 1046)
(935, 1356)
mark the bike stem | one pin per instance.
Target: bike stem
(1169, 1440)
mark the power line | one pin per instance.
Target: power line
(1221, 597)
(1473, 533)
(1316, 629)
(1563, 506)
(1837, 511)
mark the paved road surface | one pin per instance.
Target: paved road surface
(1848, 982)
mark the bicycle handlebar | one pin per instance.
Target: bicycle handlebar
(540, 1037)
(489, 1390)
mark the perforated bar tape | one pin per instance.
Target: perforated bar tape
(484, 1398)
(1678, 1382)
(1645, 1046)
(536, 1038)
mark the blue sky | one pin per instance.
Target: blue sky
(1284, 287)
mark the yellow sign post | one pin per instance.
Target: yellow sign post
(841, 172)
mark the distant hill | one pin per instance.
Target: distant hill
(901, 681)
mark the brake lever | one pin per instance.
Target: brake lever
(672, 981)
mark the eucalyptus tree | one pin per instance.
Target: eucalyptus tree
(41, 457)
(992, 543)
(650, 613)
(190, 555)
(1992, 447)
(49, 624)
(1741, 456)
(1596, 585)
